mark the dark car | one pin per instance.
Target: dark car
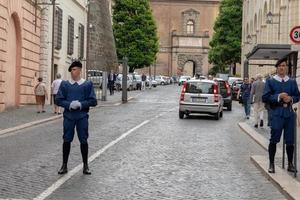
(225, 91)
(235, 87)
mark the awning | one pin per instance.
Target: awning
(270, 52)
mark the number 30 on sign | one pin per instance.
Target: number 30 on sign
(295, 34)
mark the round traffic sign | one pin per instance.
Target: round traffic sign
(295, 34)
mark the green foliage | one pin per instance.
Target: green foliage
(135, 32)
(226, 42)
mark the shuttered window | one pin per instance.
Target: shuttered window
(70, 35)
(81, 41)
(58, 28)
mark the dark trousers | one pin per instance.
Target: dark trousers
(111, 87)
(81, 126)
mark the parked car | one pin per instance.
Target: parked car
(235, 87)
(95, 76)
(183, 79)
(225, 92)
(153, 82)
(160, 80)
(138, 81)
(201, 96)
(167, 80)
(119, 83)
(134, 81)
(232, 79)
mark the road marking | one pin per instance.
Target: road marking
(74, 171)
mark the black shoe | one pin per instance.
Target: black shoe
(271, 168)
(256, 126)
(63, 170)
(86, 170)
(291, 168)
(261, 123)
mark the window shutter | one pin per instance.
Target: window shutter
(70, 36)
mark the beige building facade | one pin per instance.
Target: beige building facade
(258, 30)
(185, 28)
(19, 52)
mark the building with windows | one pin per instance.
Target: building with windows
(267, 23)
(184, 32)
(69, 37)
(19, 52)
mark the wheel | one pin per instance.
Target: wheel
(229, 107)
(217, 116)
(162, 83)
(181, 115)
(221, 114)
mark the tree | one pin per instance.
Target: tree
(135, 32)
(226, 41)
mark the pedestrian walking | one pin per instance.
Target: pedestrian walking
(245, 91)
(40, 95)
(111, 82)
(144, 79)
(54, 88)
(257, 90)
(281, 92)
(76, 96)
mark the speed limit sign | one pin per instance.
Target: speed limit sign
(295, 34)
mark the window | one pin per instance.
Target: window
(81, 41)
(58, 28)
(190, 27)
(70, 36)
(199, 88)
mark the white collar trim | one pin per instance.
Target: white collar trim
(80, 82)
(277, 78)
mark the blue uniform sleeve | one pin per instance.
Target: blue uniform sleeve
(296, 93)
(91, 100)
(61, 97)
(268, 96)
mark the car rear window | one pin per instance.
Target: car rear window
(199, 88)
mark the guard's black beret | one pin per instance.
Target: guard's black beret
(75, 64)
(280, 61)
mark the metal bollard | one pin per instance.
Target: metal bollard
(104, 87)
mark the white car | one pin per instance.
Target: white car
(201, 96)
(160, 80)
(183, 79)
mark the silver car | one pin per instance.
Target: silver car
(201, 96)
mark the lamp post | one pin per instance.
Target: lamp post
(269, 20)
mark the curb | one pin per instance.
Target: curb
(287, 185)
(38, 122)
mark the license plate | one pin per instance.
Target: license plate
(198, 100)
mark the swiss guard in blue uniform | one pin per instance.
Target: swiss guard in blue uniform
(281, 92)
(76, 96)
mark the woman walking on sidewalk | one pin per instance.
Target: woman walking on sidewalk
(40, 95)
(281, 93)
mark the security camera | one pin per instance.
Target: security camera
(76, 36)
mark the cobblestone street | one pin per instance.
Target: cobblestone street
(159, 157)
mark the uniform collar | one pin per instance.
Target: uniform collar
(277, 78)
(81, 81)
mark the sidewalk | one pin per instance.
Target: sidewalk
(285, 181)
(26, 116)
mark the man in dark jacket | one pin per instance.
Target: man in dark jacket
(76, 96)
(111, 81)
(281, 93)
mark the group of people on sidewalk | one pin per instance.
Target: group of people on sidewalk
(277, 94)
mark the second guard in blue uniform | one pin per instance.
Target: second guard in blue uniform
(280, 93)
(76, 96)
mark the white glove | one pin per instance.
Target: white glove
(75, 105)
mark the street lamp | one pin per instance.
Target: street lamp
(269, 20)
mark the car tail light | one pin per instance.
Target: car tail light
(215, 91)
(227, 88)
(183, 91)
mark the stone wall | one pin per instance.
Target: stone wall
(101, 45)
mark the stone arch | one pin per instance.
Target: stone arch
(13, 65)
(196, 59)
(255, 23)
